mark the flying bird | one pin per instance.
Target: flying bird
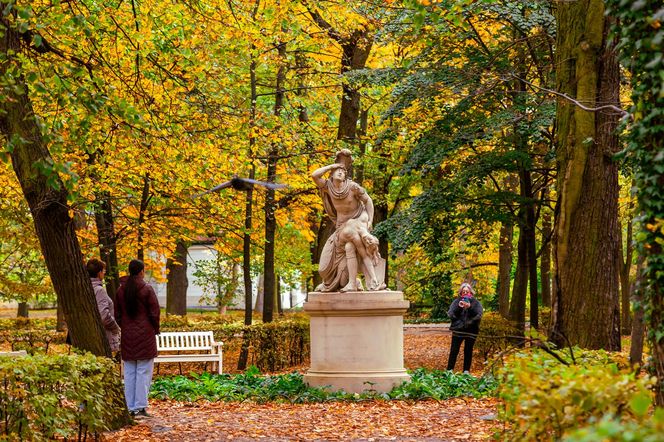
(238, 183)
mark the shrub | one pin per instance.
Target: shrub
(612, 429)
(46, 397)
(272, 346)
(33, 341)
(27, 323)
(544, 399)
(495, 333)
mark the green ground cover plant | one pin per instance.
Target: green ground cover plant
(251, 385)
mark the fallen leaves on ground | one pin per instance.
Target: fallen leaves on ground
(454, 419)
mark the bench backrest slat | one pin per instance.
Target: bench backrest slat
(168, 341)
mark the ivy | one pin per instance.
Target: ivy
(639, 28)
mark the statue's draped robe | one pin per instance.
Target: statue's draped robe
(332, 266)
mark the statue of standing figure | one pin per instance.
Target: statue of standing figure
(351, 249)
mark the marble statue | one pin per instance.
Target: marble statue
(351, 249)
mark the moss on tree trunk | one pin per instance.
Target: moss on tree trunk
(585, 303)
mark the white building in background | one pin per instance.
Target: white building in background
(290, 297)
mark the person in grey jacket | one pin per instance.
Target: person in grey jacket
(465, 314)
(96, 271)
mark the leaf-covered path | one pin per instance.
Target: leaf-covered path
(448, 420)
(335, 421)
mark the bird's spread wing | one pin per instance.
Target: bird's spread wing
(264, 183)
(214, 189)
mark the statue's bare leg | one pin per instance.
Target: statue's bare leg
(351, 261)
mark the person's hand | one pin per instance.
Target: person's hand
(464, 304)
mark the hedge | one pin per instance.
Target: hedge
(62, 396)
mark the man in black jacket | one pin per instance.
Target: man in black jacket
(465, 314)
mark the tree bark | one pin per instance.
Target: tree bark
(638, 324)
(586, 303)
(107, 241)
(22, 311)
(270, 280)
(625, 270)
(505, 268)
(142, 211)
(545, 258)
(47, 199)
(519, 291)
(177, 282)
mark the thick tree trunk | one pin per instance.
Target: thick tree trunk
(585, 305)
(107, 241)
(177, 282)
(47, 199)
(355, 52)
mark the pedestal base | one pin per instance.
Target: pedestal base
(356, 340)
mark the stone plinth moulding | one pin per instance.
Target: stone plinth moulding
(356, 340)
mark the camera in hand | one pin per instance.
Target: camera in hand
(466, 299)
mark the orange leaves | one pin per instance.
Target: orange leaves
(455, 419)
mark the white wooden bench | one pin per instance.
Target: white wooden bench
(14, 354)
(200, 347)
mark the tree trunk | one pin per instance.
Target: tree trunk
(177, 283)
(260, 296)
(107, 241)
(529, 232)
(355, 48)
(142, 211)
(505, 268)
(520, 289)
(47, 199)
(545, 258)
(625, 283)
(280, 307)
(60, 323)
(22, 311)
(248, 209)
(638, 324)
(270, 280)
(586, 307)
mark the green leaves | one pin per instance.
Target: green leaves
(291, 388)
(45, 397)
(544, 399)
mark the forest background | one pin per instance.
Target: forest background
(493, 136)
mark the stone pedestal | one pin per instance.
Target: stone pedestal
(356, 340)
